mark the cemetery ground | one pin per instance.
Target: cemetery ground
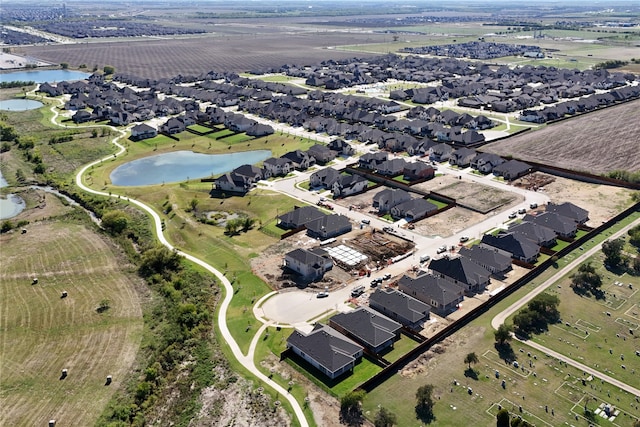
(538, 380)
(93, 332)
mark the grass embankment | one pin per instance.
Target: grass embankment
(178, 350)
(546, 381)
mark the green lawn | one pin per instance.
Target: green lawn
(400, 348)
(554, 384)
(200, 128)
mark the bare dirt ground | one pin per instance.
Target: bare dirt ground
(602, 201)
(378, 247)
(192, 56)
(597, 142)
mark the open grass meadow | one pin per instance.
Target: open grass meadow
(43, 333)
(541, 389)
(230, 254)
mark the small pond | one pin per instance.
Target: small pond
(19, 104)
(42, 76)
(11, 205)
(180, 166)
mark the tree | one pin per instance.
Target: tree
(424, 404)
(471, 358)
(350, 406)
(247, 223)
(193, 204)
(586, 280)
(94, 133)
(635, 265)
(385, 418)
(503, 334)
(502, 418)
(115, 222)
(612, 250)
(109, 69)
(159, 260)
(64, 65)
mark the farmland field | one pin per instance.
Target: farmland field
(43, 333)
(598, 142)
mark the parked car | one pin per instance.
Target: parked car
(365, 221)
(522, 211)
(387, 229)
(322, 294)
(464, 239)
(386, 277)
(357, 291)
(533, 205)
(425, 258)
(441, 249)
(512, 215)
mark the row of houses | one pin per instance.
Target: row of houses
(473, 49)
(582, 105)
(463, 157)
(238, 182)
(335, 349)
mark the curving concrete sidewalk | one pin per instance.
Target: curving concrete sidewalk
(501, 317)
(245, 360)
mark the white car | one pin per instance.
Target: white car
(322, 294)
(441, 249)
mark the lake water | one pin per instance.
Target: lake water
(180, 166)
(10, 206)
(19, 104)
(42, 76)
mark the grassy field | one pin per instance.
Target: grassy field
(545, 382)
(43, 333)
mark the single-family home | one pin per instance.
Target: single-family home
(462, 271)
(517, 245)
(324, 178)
(485, 162)
(374, 331)
(299, 216)
(347, 185)
(321, 153)
(441, 294)
(172, 126)
(538, 234)
(328, 226)
(413, 209)
(494, 260)
(250, 173)
(398, 306)
(231, 182)
(371, 161)
(418, 170)
(278, 166)
(569, 210)
(462, 157)
(388, 198)
(326, 349)
(299, 159)
(392, 167)
(440, 152)
(310, 264)
(341, 147)
(562, 226)
(511, 169)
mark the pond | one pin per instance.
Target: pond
(181, 166)
(42, 76)
(11, 205)
(19, 104)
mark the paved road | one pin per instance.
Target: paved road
(245, 360)
(500, 318)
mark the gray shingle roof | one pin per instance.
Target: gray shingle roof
(402, 304)
(326, 346)
(367, 325)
